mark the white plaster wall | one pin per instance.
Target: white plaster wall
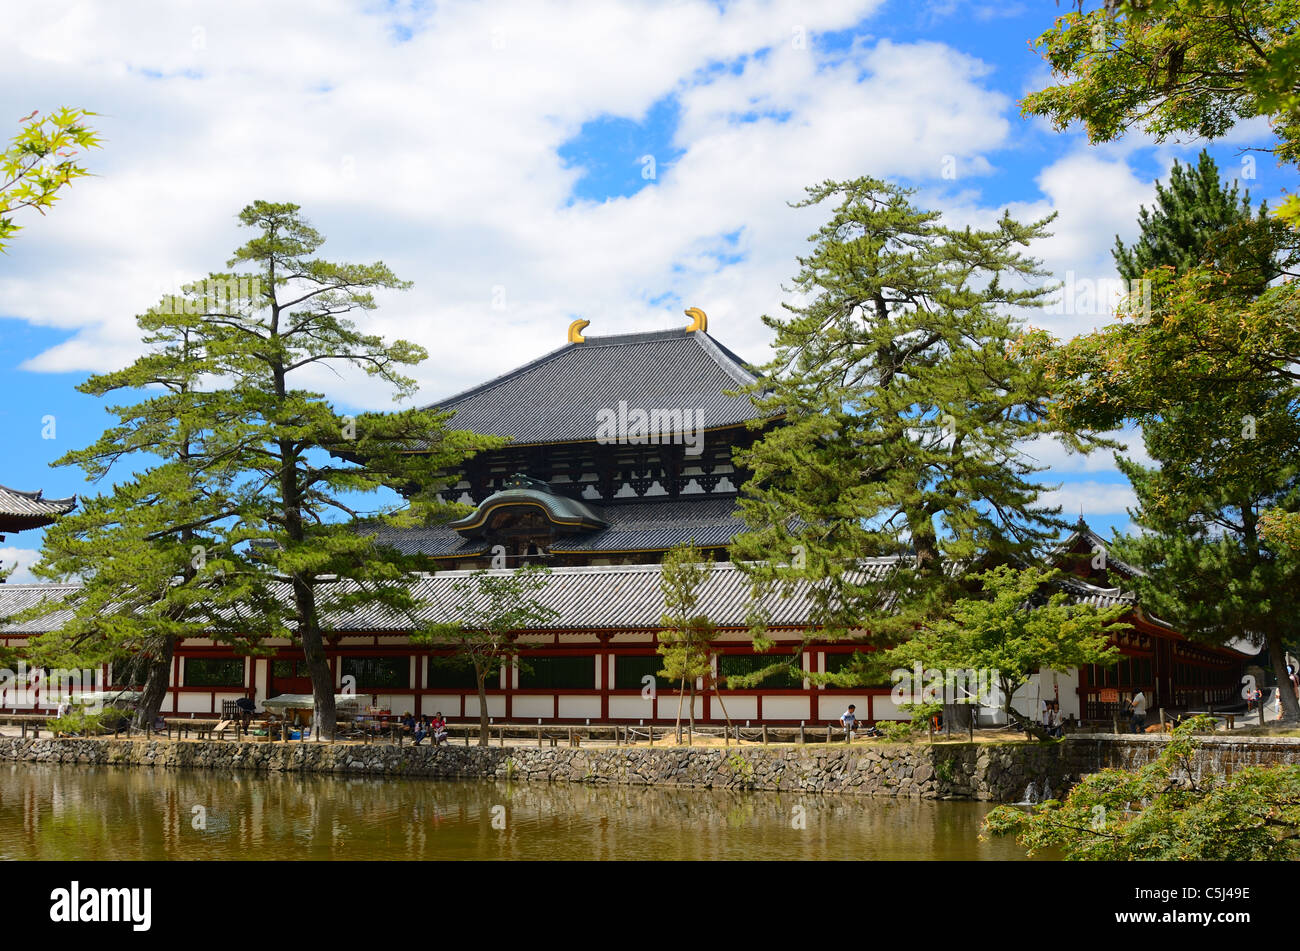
(261, 678)
(397, 703)
(785, 708)
(194, 703)
(630, 708)
(668, 706)
(496, 706)
(740, 708)
(449, 704)
(533, 706)
(883, 708)
(830, 708)
(580, 707)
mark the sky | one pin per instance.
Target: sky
(530, 163)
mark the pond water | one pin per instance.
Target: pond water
(100, 813)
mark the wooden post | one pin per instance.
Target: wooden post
(650, 732)
(801, 738)
(970, 726)
(1114, 719)
(1162, 718)
(539, 737)
(570, 736)
(932, 731)
(503, 736)
(765, 734)
(828, 732)
(1261, 710)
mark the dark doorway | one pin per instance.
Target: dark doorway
(290, 676)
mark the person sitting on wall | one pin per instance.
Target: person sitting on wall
(246, 708)
(438, 729)
(408, 723)
(421, 730)
(849, 719)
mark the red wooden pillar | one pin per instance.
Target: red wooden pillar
(605, 681)
(510, 687)
(176, 681)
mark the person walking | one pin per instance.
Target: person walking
(1139, 706)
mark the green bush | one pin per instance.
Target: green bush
(897, 731)
(78, 722)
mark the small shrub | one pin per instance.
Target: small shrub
(897, 731)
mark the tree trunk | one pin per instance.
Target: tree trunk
(484, 730)
(681, 692)
(725, 716)
(690, 732)
(155, 684)
(324, 716)
(1286, 692)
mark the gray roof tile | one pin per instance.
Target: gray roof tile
(621, 597)
(31, 509)
(648, 525)
(558, 397)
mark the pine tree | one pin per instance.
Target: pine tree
(906, 389)
(1209, 376)
(249, 528)
(1198, 219)
(158, 555)
(295, 316)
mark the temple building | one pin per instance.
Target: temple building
(622, 448)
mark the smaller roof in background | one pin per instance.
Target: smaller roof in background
(20, 511)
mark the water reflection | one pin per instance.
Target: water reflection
(99, 813)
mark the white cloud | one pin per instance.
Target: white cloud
(21, 560)
(1093, 498)
(1046, 451)
(438, 155)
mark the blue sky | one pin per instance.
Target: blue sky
(526, 164)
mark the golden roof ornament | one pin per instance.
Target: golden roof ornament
(575, 331)
(699, 320)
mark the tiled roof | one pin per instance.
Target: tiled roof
(658, 526)
(1082, 533)
(647, 525)
(587, 598)
(620, 597)
(23, 510)
(558, 397)
(19, 597)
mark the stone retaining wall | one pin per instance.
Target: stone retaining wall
(982, 771)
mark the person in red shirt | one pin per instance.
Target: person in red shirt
(438, 729)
